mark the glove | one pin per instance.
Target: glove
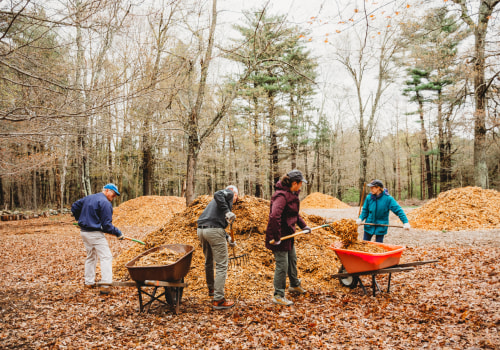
(231, 243)
(230, 216)
(277, 243)
(358, 221)
(121, 236)
(406, 226)
(307, 228)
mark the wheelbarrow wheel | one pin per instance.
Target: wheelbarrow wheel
(350, 281)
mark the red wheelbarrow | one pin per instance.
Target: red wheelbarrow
(357, 263)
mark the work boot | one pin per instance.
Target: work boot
(105, 290)
(222, 304)
(297, 290)
(211, 292)
(278, 299)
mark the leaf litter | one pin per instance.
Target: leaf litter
(453, 304)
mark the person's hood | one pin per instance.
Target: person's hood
(281, 187)
(385, 192)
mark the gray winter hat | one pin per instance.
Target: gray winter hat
(296, 175)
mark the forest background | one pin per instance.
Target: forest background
(183, 97)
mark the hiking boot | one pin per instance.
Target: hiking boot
(210, 292)
(278, 299)
(105, 290)
(222, 304)
(297, 290)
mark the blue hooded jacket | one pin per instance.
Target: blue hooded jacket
(376, 211)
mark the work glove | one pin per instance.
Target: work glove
(277, 243)
(230, 216)
(121, 236)
(358, 221)
(307, 228)
(230, 241)
(406, 226)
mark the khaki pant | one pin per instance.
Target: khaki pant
(97, 246)
(213, 242)
(286, 264)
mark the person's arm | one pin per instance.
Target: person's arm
(221, 198)
(396, 209)
(106, 218)
(76, 208)
(364, 212)
(302, 223)
(275, 217)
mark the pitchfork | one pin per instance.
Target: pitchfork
(239, 260)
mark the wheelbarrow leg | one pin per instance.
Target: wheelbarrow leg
(389, 283)
(375, 285)
(139, 291)
(362, 285)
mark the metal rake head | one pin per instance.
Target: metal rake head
(240, 260)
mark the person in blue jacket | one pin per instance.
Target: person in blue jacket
(95, 214)
(376, 211)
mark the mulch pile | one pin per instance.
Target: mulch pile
(467, 208)
(316, 262)
(147, 211)
(322, 201)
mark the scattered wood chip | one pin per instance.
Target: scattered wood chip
(164, 256)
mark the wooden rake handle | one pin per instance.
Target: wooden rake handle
(272, 241)
(365, 223)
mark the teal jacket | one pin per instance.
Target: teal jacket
(376, 211)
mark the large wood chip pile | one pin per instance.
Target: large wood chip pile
(147, 211)
(323, 201)
(467, 208)
(316, 262)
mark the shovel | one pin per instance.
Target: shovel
(272, 241)
(239, 260)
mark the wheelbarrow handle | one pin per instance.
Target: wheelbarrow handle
(366, 223)
(272, 241)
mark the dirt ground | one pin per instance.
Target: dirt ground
(450, 305)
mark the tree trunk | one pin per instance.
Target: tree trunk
(274, 174)
(257, 156)
(293, 134)
(147, 162)
(486, 8)
(426, 165)
(192, 159)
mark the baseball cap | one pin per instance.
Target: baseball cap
(296, 175)
(113, 188)
(377, 183)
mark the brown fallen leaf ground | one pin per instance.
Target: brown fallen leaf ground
(454, 304)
